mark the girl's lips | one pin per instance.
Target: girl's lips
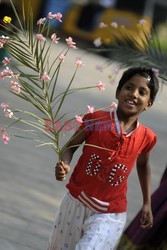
(131, 102)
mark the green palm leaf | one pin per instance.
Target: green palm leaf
(145, 52)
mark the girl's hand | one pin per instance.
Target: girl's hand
(61, 170)
(146, 217)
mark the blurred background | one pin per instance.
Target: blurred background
(81, 19)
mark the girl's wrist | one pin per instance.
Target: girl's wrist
(147, 203)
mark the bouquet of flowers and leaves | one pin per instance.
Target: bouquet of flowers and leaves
(34, 78)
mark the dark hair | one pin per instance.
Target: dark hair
(153, 82)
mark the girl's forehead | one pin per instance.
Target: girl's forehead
(139, 80)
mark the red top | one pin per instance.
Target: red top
(99, 179)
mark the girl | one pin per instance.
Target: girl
(92, 214)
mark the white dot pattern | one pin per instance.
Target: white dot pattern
(94, 158)
(118, 179)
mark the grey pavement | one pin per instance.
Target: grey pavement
(29, 193)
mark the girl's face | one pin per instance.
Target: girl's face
(134, 96)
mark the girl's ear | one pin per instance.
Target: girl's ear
(149, 105)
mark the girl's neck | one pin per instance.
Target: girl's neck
(128, 124)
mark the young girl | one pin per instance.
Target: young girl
(92, 214)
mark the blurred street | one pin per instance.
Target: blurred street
(29, 193)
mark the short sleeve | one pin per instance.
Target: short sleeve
(88, 123)
(151, 141)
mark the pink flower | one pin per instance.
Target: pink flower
(4, 106)
(15, 87)
(54, 38)
(70, 43)
(142, 21)
(8, 113)
(90, 109)
(102, 25)
(62, 57)
(113, 105)
(58, 16)
(3, 40)
(6, 138)
(4, 135)
(45, 77)
(40, 37)
(1, 45)
(101, 86)
(2, 75)
(156, 71)
(114, 25)
(6, 61)
(8, 72)
(79, 63)
(97, 42)
(41, 21)
(50, 15)
(79, 119)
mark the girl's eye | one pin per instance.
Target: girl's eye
(142, 92)
(128, 87)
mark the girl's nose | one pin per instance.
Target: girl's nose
(134, 93)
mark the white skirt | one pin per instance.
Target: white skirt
(79, 228)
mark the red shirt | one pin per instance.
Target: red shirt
(99, 179)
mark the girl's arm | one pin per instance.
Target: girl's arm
(62, 168)
(76, 140)
(144, 174)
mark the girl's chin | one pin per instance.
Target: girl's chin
(129, 112)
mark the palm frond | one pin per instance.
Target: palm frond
(130, 51)
(34, 74)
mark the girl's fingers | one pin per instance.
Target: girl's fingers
(61, 163)
(146, 221)
(59, 168)
(61, 171)
(65, 166)
(60, 176)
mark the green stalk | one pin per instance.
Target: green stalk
(55, 82)
(35, 126)
(71, 91)
(31, 114)
(17, 16)
(63, 98)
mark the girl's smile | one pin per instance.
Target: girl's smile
(134, 97)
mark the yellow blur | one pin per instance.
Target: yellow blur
(128, 26)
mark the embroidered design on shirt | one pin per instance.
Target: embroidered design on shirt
(113, 176)
(94, 158)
